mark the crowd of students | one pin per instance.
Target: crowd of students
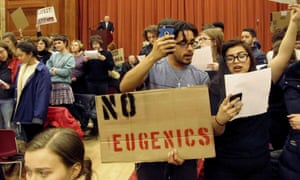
(37, 74)
(243, 145)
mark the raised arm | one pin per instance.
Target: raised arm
(281, 61)
(136, 75)
(38, 30)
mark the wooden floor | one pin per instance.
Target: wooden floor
(106, 171)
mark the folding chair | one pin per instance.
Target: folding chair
(9, 150)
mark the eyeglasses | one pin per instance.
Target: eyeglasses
(185, 44)
(203, 39)
(241, 57)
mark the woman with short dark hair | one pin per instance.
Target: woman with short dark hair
(242, 144)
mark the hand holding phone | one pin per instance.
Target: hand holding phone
(165, 30)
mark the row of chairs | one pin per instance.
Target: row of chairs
(9, 153)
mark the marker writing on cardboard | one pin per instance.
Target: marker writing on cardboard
(109, 106)
(152, 140)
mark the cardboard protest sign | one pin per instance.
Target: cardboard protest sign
(279, 20)
(146, 125)
(19, 19)
(118, 56)
(46, 15)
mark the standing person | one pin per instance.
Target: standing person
(61, 65)
(214, 38)
(42, 46)
(114, 75)
(11, 40)
(150, 35)
(6, 96)
(97, 77)
(32, 94)
(168, 66)
(77, 76)
(278, 112)
(242, 145)
(249, 37)
(289, 159)
(56, 153)
(106, 25)
(97, 69)
(289, 162)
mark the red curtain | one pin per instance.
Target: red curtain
(130, 17)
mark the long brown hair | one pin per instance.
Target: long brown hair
(217, 85)
(217, 37)
(65, 143)
(10, 54)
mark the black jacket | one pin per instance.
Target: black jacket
(110, 26)
(97, 70)
(5, 76)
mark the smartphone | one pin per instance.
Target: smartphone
(236, 96)
(165, 30)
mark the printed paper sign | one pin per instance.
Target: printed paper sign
(255, 88)
(202, 58)
(92, 54)
(46, 16)
(118, 56)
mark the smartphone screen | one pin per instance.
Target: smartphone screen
(165, 30)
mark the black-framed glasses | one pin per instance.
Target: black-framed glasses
(241, 57)
(185, 44)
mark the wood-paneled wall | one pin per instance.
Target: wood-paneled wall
(66, 13)
(2, 17)
(132, 16)
(77, 17)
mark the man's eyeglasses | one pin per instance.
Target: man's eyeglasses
(241, 57)
(185, 44)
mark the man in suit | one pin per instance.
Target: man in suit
(106, 25)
